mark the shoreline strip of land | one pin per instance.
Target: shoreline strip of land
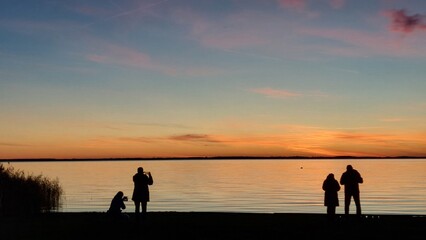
(211, 225)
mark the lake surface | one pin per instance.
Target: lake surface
(396, 186)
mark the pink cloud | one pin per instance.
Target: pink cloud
(299, 6)
(231, 32)
(113, 54)
(401, 22)
(302, 5)
(231, 40)
(238, 32)
(361, 43)
(280, 93)
(275, 93)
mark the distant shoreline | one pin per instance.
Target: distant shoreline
(200, 158)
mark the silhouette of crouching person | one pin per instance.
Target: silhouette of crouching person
(115, 209)
(140, 195)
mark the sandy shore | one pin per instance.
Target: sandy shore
(208, 225)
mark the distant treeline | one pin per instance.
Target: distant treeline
(23, 194)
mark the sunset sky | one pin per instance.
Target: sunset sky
(177, 78)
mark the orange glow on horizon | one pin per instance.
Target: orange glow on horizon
(304, 142)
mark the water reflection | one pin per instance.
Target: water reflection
(294, 186)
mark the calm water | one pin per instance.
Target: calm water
(259, 186)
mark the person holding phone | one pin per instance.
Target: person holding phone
(116, 206)
(140, 195)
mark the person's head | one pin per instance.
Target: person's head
(119, 194)
(349, 168)
(330, 176)
(140, 170)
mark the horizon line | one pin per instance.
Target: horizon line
(207, 158)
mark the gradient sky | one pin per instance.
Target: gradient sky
(152, 78)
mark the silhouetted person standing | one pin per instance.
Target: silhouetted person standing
(351, 179)
(140, 195)
(331, 199)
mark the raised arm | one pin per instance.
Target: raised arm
(150, 179)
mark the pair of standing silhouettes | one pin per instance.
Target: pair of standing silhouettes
(351, 180)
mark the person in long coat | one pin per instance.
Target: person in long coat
(331, 199)
(140, 195)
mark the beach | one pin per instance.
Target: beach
(211, 225)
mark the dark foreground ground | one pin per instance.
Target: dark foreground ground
(200, 225)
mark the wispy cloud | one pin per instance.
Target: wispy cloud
(393, 119)
(285, 140)
(232, 32)
(138, 139)
(402, 22)
(194, 138)
(114, 54)
(357, 43)
(38, 27)
(238, 33)
(89, 10)
(10, 144)
(161, 125)
(119, 142)
(283, 94)
(275, 93)
(365, 137)
(107, 15)
(302, 5)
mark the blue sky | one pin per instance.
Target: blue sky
(203, 78)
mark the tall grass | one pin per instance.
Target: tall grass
(25, 194)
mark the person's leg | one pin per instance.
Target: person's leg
(333, 211)
(357, 203)
(347, 202)
(143, 214)
(137, 207)
(328, 210)
(144, 206)
(137, 210)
